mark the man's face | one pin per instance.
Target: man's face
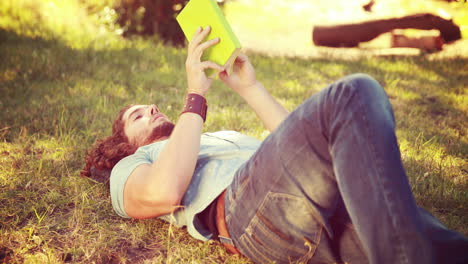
(145, 124)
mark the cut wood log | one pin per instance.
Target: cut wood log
(426, 43)
(350, 35)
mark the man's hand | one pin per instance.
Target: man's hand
(244, 82)
(197, 81)
(242, 79)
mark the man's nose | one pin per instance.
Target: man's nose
(153, 109)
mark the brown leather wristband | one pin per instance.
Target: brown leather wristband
(195, 103)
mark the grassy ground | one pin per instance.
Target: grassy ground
(63, 77)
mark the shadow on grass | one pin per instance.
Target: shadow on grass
(443, 198)
(440, 123)
(46, 82)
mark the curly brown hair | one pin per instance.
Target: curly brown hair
(105, 153)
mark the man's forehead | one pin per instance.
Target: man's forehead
(131, 110)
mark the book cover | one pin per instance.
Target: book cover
(207, 13)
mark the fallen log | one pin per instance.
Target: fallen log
(350, 35)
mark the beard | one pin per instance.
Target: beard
(162, 131)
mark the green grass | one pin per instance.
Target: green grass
(62, 83)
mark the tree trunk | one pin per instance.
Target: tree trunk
(158, 18)
(349, 35)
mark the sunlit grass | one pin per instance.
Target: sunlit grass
(66, 21)
(61, 86)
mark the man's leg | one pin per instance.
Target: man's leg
(339, 145)
(448, 245)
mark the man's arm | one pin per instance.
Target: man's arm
(157, 189)
(244, 82)
(270, 111)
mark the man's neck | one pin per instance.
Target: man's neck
(155, 140)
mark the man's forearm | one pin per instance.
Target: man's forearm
(176, 163)
(267, 108)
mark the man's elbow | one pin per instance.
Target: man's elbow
(150, 206)
(165, 200)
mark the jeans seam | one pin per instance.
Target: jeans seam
(239, 190)
(377, 159)
(310, 254)
(319, 218)
(244, 239)
(270, 236)
(258, 223)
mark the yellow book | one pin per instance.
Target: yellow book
(207, 13)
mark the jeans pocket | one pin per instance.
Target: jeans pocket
(284, 229)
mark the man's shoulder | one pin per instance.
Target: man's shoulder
(141, 156)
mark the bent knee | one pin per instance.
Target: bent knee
(362, 80)
(364, 83)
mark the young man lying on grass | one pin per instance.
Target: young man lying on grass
(327, 185)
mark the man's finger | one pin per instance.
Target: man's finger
(241, 58)
(202, 47)
(223, 75)
(212, 65)
(190, 45)
(199, 36)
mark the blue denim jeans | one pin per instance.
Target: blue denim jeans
(328, 186)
